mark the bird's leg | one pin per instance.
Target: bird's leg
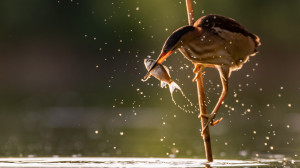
(224, 73)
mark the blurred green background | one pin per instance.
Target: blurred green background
(71, 70)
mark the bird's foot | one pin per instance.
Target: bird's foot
(197, 75)
(210, 121)
(210, 117)
(213, 123)
(196, 68)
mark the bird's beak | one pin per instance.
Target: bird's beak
(163, 56)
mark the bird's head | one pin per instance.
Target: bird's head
(173, 42)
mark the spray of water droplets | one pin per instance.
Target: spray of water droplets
(183, 108)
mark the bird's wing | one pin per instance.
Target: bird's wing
(211, 21)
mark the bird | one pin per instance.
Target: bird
(212, 41)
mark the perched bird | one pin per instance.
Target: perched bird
(213, 41)
(161, 73)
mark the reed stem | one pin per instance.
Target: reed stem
(201, 94)
(204, 120)
(190, 12)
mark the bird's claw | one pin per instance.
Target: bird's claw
(197, 74)
(196, 68)
(213, 123)
(210, 118)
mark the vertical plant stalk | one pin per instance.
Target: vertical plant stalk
(190, 12)
(201, 94)
(204, 120)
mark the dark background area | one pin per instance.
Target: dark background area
(71, 72)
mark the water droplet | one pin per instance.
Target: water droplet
(121, 133)
(289, 105)
(137, 8)
(96, 131)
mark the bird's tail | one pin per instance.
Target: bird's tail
(173, 86)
